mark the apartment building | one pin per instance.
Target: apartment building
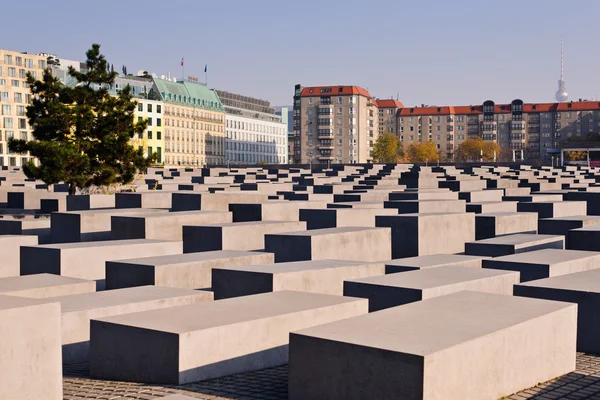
(194, 123)
(532, 129)
(14, 98)
(334, 124)
(388, 115)
(254, 132)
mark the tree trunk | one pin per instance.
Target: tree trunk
(72, 189)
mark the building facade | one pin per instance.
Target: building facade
(534, 130)
(254, 132)
(334, 124)
(14, 98)
(194, 124)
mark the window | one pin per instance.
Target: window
(353, 121)
(149, 121)
(22, 73)
(14, 83)
(310, 100)
(159, 153)
(158, 122)
(149, 108)
(8, 59)
(6, 109)
(158, 136)
(158, 111)
(12, 72)
(22, 123)
(140, 107)
(150, 150)
(149, 134)
(8, 123)
(2, 82)
(140, 119)
(4, 96)
(18, 98)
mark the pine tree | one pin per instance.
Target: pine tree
(82, 134)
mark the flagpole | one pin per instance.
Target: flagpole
(206, 74)
(182, 74)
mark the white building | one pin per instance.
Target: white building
(254, 133)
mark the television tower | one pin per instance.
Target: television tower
(561, 94)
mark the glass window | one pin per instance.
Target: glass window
(140, 107)
(158, 122)
(8, 123)
(158, 110)
(158, 136)
(6, 109)
(149, 134)
(149, 108)
(8, 59)
(149, 121)
(12, 72)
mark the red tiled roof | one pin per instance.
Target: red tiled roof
(317, 91)
(501, 108)
(389, 103)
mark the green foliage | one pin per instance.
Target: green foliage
(82, 133)
(386, 148)
(263, 162)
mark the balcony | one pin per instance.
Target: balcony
(325, 134)
(473, 121)
(325, 146)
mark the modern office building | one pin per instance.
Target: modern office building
(254, 132)
(194, 123)
(334, 124)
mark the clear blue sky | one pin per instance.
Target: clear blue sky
(435, 52)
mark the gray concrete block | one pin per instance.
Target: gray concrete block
(152, 199)
(162, 226)
(214, 202)
(234, 236)
(30, 366)
(349, 243)
(546, 263)
(407, 287)
(424, 195)
(343, 217)
(209, 340)
(504, 223)
(426, 206)
(192, 271)
(357, 204)
(318, 276)
(88, 225)
(84, 202)
(43, 286)
(427, 234)
(429, 349)
(587, 238)
(554, 209)
(86, 260)
(581, 288)
(10, 258)
(280, 210)
(513, 244)
(39, 227)
(492, 207)
(432, 261)
(79, 309)
(562, 225)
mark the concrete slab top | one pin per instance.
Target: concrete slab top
(229, 311)
(10, 302)
(17, 283)
(428, 326)
(521, 239)
(433, 277)
(547, 256)
(432, 260)
(170, 214)
(106, 243)
(297, 266)
(427, 215)
(505, 214)
(593, 228)
(110, 298)
(329, 231)
(186, 258)
(575, 218)
(250, 223)
(584, 281)
(116, 211)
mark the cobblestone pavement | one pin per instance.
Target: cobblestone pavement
(271, 384)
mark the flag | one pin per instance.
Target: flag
(206, 68)
(182, 62)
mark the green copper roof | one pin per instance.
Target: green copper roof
(188, 94)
